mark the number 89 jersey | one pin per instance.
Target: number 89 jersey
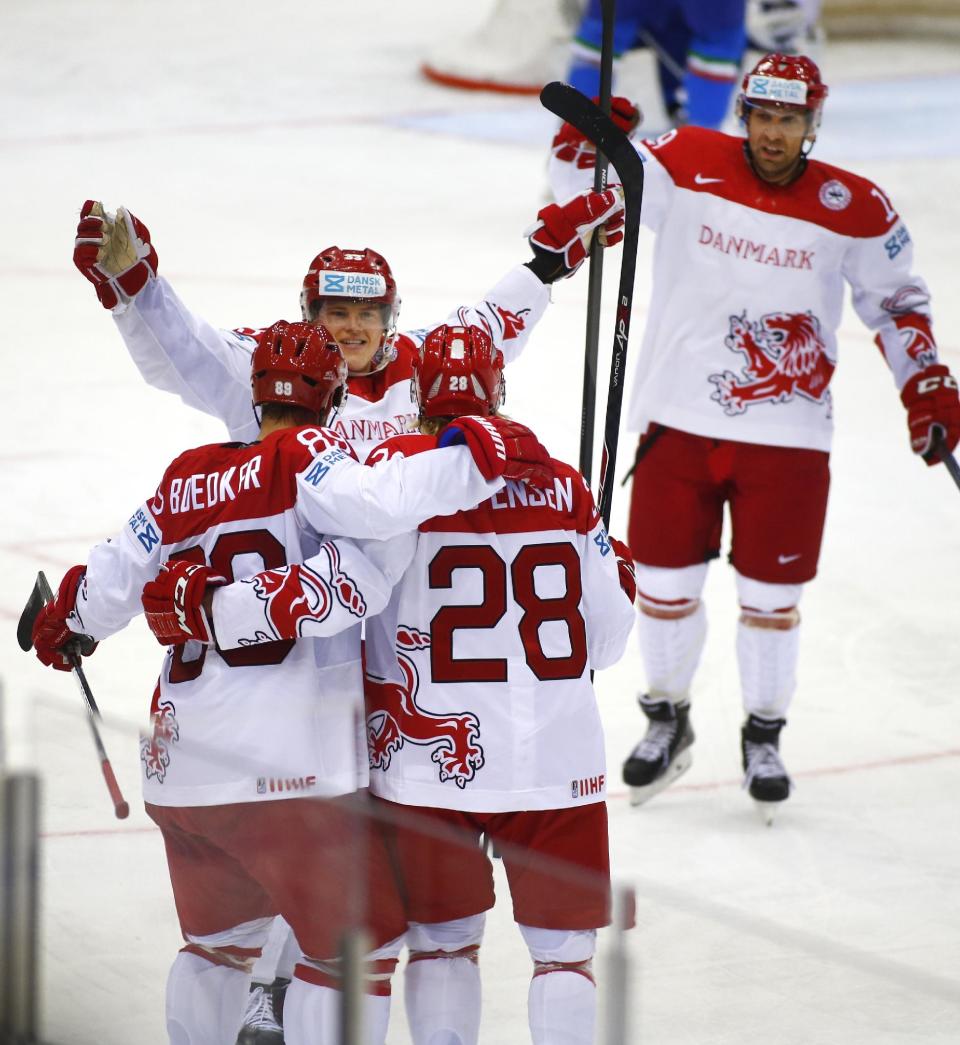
(487, 704)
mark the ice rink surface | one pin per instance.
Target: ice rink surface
(248, 136)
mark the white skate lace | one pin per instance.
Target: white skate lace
(656, 742)
(763, 762)
(259, 1013)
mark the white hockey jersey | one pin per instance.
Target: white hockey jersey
(254, 717)
(748, 284)
(479, 694)
(209, 369)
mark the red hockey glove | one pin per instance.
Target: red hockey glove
(501, 447)
(626, 567)
(52, 639)
(933, 406)
(564, 230)
(173, 603)
(114, 252)
(570, 145)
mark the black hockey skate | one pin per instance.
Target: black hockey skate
(663, 755)
(765, 776)
(263, 1018)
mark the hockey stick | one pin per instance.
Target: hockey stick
(950, 462)
(577, 109)
(41, 595)
(588, 407)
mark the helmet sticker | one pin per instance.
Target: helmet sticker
(352, 284)
(776, 89)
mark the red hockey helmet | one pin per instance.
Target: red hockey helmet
(786, 81)
(299, 364)
(459, 373)
(354, 275)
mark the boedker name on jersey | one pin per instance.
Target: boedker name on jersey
(756, 365)
(484, 701)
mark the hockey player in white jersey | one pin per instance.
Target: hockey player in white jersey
(351, 291)
(482, 717)
(755, 243)
(354, 294)
(244, 734)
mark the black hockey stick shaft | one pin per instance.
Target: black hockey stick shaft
(950, 462)
(42, 594)
(588, 407)
(577, 109)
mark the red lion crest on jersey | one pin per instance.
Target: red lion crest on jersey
(155, 749)
(296, 597)
(785, 357)
(394, 717)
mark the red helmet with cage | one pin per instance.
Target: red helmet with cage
(299, 364)
(357, 276)
(459, 373)
(786, 81)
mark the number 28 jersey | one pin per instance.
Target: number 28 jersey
(485, 700)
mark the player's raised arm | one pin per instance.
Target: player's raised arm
(175, 350)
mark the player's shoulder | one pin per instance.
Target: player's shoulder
(684, 151)
(846, 202)
(401, 446)
(300, 445)
(199, 460)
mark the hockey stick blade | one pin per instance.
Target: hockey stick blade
(577, 109)
(596, 126)
(42, 593)
(30, 613)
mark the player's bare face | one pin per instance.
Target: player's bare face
(358, 329)
(776, 139)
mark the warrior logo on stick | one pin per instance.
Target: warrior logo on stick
(785, 357)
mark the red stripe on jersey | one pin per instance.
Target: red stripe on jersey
(377, 982)
(224, 482)
(703, 160)
(239, 958)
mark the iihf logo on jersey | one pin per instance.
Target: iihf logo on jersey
(394, 717)
(786, 356)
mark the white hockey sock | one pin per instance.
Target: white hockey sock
(562, 1007)
(768, 668)
(205, 1001)
(442, 997)
(671, 651)
(311, 1015)
(280, 940)
(289, 954)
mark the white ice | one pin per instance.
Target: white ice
(248, 136)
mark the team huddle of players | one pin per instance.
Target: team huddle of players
(478, 572)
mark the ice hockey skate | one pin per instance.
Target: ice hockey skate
(262, 1019)
(765, 776)
(663, 755)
